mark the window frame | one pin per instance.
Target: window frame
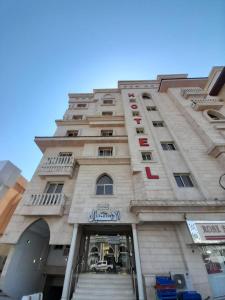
(56, 183)
(156, 123)
(104, 186)
(107, 113)
(77, 117)
(74, 135)
(146, 153)
(83, 105)
(106, 148)
(140, 128)
(106, 130)
(181, 180)
(136, 113)
(167, 146)
(151, 108)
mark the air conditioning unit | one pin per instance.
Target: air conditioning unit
(183, 281)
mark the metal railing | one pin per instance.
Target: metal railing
(46, 199)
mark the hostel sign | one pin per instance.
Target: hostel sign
(207, 231)
(104, 214)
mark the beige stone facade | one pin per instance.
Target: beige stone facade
(166, 155)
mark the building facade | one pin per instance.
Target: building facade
(132, 177)
(12, 187)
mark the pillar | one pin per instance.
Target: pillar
(138, 263)
(69, 266)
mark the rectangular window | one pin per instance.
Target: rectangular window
(106, 132)
(107, 113)
(54, 188)
(72, 133)
(168, 146)
(132, 100)
(77, 117)
(135, 113)
(146, 156)
(140, 130)
(108, 102)
(81, 105)
(158, 123)
(183, 180)
(151, 108)
(105, 151)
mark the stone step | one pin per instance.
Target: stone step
(104, 286)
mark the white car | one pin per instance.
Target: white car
(101, 265)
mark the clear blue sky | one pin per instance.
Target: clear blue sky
(51, 47)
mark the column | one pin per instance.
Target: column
(138, 263)
(69, 266)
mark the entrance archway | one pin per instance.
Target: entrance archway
(24, 275)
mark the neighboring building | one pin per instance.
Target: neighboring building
(12, 187)
(131, 176)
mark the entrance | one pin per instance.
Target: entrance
(106, 248)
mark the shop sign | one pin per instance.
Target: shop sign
(104, 214)
(207, 231)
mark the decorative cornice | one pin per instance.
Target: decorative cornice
(119, 160)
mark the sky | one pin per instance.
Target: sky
(49, 48)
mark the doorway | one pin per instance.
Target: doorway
(107, 248)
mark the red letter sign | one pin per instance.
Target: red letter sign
(149, 174)
(138, 120)
(134, 106)
(143, 142)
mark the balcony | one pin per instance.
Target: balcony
(193, 92)
(57, 166)
(44, 204)
(202, 104)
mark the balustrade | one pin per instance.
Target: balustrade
(57, 165)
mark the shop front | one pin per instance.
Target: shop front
(210, 238)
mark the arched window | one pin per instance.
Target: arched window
(146, 96)
(104, 185)
(215, 115)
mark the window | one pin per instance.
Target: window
(183, 180)
(108, 101)
(105, 151)
(151, 108)
(81, 105)
(146, 96)
(77, 117)
(132, 100)
(135, 113)
(140, 130)
(72, 133)
(158, 123)
(104, 185)
(215, 116)
(107, 113)
(146, 155)
(106, 132)
(168, 146)
(54, 188)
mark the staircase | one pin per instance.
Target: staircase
(104, 286)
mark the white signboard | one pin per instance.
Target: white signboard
(207, 231)
(104, 214)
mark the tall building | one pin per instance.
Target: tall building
(12, 187)
(131, 183)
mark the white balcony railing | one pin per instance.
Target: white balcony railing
(46, 199)
(57, 165)
(207, 103)
(193, 92)
(44, 204)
